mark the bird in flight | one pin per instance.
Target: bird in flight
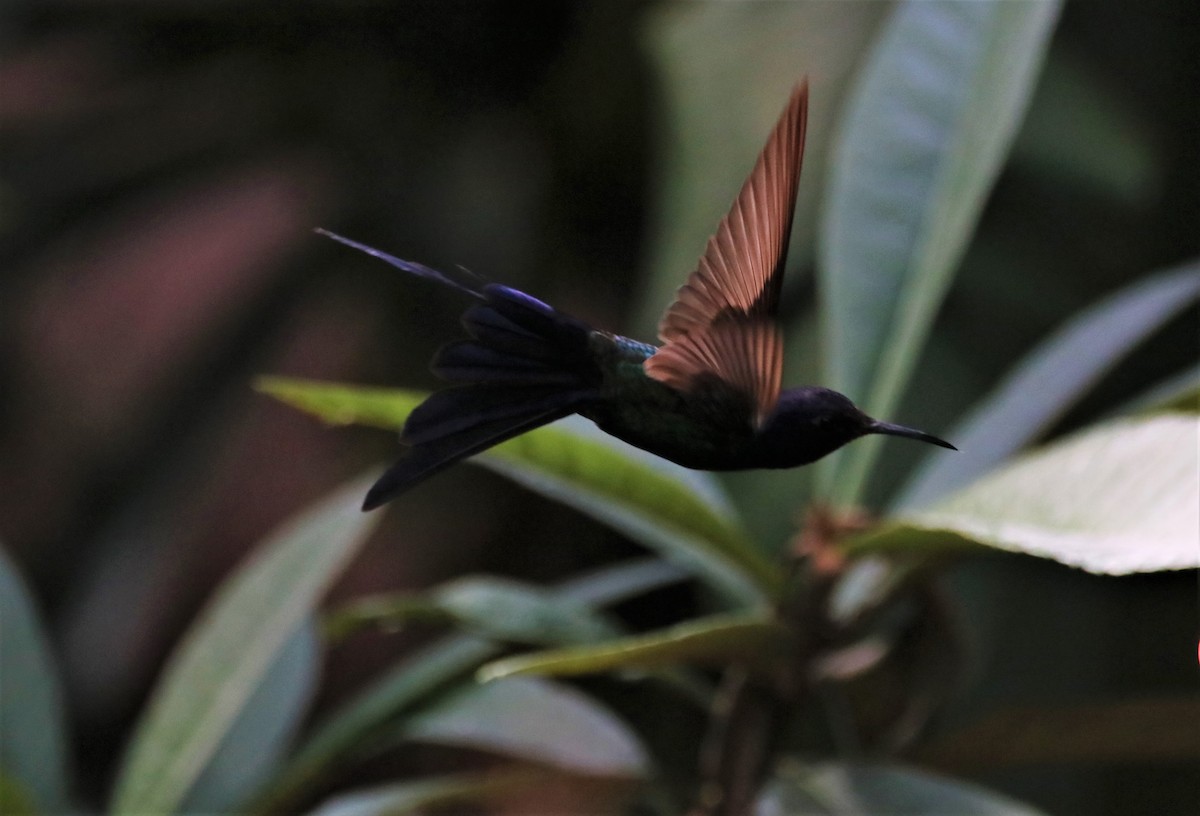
(710, 397)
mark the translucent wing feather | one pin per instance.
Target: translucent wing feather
(722, 320)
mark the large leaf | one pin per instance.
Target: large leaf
(1047, 382)
(253, 746)
(922, 142)
(681, 513)
(852, 790)
(535, 721)
(714, 640)
(1115, 499)
(434, 670)
(33, 744)
(228, 652)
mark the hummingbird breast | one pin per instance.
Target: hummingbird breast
(708, 428)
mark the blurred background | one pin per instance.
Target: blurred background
(163, 164)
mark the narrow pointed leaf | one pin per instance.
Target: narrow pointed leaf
(1115, 499)
(682, 514)
(1048, 381)
(229, 650)
(512, 611)
(33, 741)
(923, 139)
(714, 640)
(252, 748)
(498, 608)
(535, 721)
(419, 676)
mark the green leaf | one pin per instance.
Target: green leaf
(681, 513)
(15, 798)
(521, 613)
(1051, 378)
(715, 640)
(253, 746)
(357, 722)
(836, 789)
(433, 670)
(229, 650)
(340, 404)
(535, 721)
(1115, 499)
(386, 611)
(498, 608)
(922, 141)
(33, 741)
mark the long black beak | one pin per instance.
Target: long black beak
(888, 429)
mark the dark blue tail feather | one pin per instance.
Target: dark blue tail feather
(525, 365)
(411, 267)
(429, 459)
(467, 361)
(454, 410)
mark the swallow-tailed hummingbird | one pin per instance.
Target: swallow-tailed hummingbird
(708, 398)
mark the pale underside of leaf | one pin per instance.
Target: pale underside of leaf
(1114, 499)
(1050, 379)
(533, 720)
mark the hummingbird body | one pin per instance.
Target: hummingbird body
(711, 427)
(708, 398)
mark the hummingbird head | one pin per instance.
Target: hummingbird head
(811, 422)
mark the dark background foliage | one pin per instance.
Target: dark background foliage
(161, 168)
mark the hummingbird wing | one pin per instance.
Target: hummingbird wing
(722, 321)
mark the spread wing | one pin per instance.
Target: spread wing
(722, 320)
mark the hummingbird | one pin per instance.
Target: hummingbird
(710, 397)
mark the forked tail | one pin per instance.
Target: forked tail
(525, 365)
